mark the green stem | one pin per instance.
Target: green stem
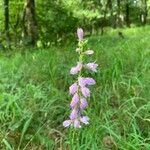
(80, 60)
(80, 56)
(72, 138)
(73, 132)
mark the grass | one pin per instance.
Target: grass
(34, 96)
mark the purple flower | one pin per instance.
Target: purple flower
(73, 114)
(73, 88)
(66, 123)
(90, 81)
(82, 81)
(84, 119)
(86, 81)
(83, 103)
(77, 68)
(80, 34)
(79, 89)
(92, 66)
(74, 101)
(77, 123)
(89, 52)
(85, 91)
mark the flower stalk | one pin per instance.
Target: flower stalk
(79, 90)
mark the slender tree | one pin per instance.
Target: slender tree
(29, 22)
(127, 5)
(6, 22)
(110, 5)
(144, 12)
(104, 17)
(118, 13)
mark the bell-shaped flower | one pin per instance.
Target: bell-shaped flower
(85, 91)
(76, 69)
(82, 81)
(83, 103)
(80, 34)
(85, 81)
(84, 119)
(76, 123)
(74, 100)
(67, 123)
(92, 66)
(73, 114)
(90, 81)
(73, 88)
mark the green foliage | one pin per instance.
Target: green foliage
(57, 20)
(34, 96)
(57, 23)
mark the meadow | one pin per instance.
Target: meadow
(34, 98)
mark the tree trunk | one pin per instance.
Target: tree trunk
(127, 14)
(29, 23)
(144, 12)
(104, 18)
(6, 22)
(118, 14)
(112, 20)
(15, 29)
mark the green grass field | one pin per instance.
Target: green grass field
(34, 98)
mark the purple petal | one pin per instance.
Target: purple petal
(73, 70)
(92, 66)
(84, 119)
(76, 123)
(73, 114)
(80, 33)
(74, 101)
(73, 88)
(83, 103)
(85, 91)
(77, 68)
(86, 81)
(82, 81)
(66, 123)
(90, 81)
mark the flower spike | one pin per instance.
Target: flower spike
(80, 88)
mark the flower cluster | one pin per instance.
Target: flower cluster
(79, 89)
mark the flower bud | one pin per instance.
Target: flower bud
(80, 34)
(89, 52)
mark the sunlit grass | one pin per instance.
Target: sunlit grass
(34, 96)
